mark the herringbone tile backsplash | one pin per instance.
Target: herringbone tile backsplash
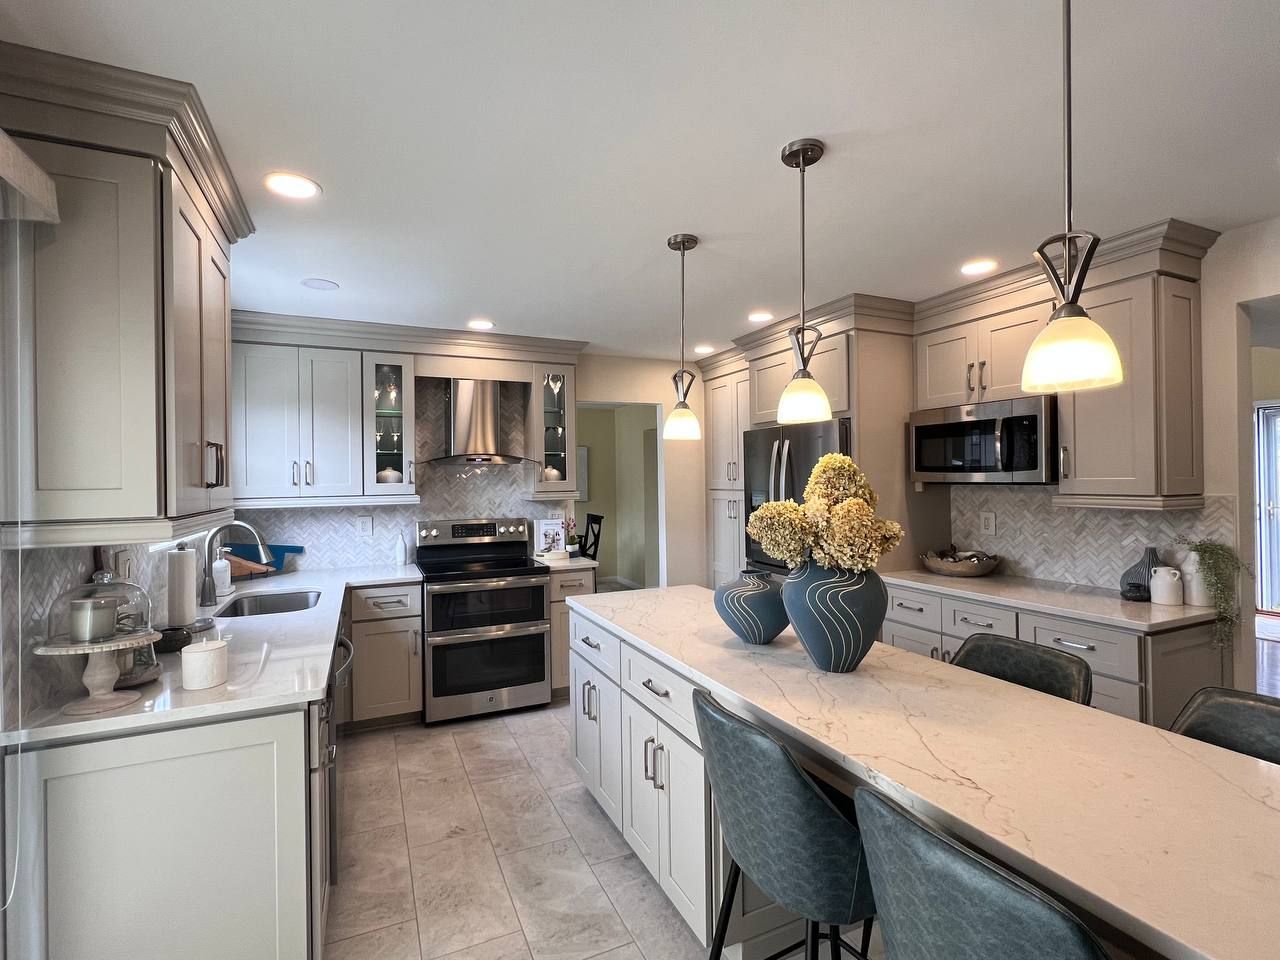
(1074, 544)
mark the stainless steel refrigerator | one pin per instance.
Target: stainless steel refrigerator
(776, 465)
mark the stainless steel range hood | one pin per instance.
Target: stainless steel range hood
(475, 424)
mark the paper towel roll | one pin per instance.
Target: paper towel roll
(182, 587)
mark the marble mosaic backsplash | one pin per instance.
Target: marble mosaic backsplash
(1077, 544)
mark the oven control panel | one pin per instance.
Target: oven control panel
(472, 531)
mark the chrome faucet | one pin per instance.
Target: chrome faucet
(208, 591)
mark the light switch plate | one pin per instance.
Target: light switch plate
(988, 521)
(364, 527)
(555, 515)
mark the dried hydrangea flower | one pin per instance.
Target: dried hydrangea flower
(783, 530)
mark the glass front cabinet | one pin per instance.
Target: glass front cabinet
(388, 424)
(553, 431)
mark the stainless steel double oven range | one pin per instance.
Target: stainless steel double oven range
(486, 618)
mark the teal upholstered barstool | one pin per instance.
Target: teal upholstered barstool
(1055, 672)
(1247, 723)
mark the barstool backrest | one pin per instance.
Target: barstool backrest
(780, 828)
(939, 901)
(1247, 723)
(1055, 672)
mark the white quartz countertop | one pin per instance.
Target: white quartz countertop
(1173, 841)
(1057, 599)
(275, 661)
(571, 563)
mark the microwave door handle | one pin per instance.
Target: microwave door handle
(773, 468)
(999, 432)
(782, 470)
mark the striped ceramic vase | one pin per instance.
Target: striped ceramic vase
(836, 613)
(752, 607)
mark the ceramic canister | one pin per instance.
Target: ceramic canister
(1166, 586)
(204, 664)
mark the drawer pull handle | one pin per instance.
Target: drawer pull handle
(1074, 645)
(570, 583)
(593, 703)
(655, 689)
(586, 684)
(330, 756)
(906, 606)
(933, 653)
(590, 643)
(977, 623)
(648, 742)
(946, 656)
(382, 604)
(658, 784)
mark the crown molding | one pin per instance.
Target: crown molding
(37, 196)
(1170, 236)
(259, 327)
(54, 78)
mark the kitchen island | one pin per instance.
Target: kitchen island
(1167, 840)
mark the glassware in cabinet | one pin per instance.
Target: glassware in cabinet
(389, 424)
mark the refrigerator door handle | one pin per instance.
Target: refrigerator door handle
(782, 470)
(773, 468)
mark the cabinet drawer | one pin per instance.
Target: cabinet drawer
(571, 584)
(927, 643)
(1108, 652)
(660, 690)
(380, 603)
(922, 610)
(962, 619)
(1118, 697)
(596, 645)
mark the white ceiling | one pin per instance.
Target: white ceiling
(527, 160)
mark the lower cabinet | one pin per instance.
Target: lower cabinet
(728, 525)
(566, 583)
(913, 639)
(386, 676)
(596, 736)
(96, 824)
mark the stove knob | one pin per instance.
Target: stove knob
(502, 529)
(422, 532)
(522, 528)
(435, 532)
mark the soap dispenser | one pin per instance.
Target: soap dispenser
(222, 572)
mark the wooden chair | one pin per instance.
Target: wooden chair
(590, 547)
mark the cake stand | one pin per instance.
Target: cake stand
(101, 672)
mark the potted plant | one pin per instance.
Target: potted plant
(1218, 566)
(832, 542)
(571, 538)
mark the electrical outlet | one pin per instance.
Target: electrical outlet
(555, 515)
(364, 527)
(988, 520)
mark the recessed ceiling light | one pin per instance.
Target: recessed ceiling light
(292, 185)
(480, 323)
(760, 316)
(319, 283)
(976, 268)
(704, 348)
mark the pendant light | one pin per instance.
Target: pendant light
(803, 400)
(1073, 352)
(682, 423)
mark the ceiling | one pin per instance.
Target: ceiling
(527, 161)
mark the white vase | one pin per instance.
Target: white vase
(1195, 591)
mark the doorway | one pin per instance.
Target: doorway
(1264, 364)
(1266, 420)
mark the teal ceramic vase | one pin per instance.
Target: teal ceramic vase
(752, 607)
(837, 614)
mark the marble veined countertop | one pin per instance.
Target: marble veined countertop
(1093, 604)
(275, 661)
(1173, 841)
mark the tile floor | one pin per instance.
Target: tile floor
(477, 841)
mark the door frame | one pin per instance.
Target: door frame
(1266, 488)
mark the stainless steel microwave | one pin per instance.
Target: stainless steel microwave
(1003, 441)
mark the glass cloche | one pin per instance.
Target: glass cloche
(103, 610)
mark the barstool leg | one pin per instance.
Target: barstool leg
(812, 937)
(726, 911)
(835, 942)
(866, 934)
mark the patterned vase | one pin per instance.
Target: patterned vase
(836, 613)
(752, 607)
(1135, 583)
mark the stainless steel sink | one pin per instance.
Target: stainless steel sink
(260, 603)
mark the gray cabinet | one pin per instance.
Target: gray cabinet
(728, 414)
(386, 675)
(565, 584)
(978, 360)
(97, 828)
(551, 432)
(596, 703)
(771, 374)
(389, 401)
(725, 511)
(945, 362)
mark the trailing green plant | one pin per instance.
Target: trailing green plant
(1220, 566)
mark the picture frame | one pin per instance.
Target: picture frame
(550, 536)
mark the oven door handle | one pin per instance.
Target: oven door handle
(999, 438)
(499, 583)
(489, 633)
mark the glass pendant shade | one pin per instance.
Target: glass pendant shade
(1072, 353)
(682, 424)
(803, 400)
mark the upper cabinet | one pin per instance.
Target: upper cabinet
(388, 424)
(978, 360)
(771, 374)
(552, 433)
(728, 414)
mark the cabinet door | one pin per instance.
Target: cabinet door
(236, 795)
(553, 421)
(728, 543)
(586, 742)
(559, 645)
(264, 457)
(1003, 342)
(945, 366)
(1108, 436)
(949, 647)
(388, 424)
(913, 639)
(770, 376)
(640, 800)
(94, 427)
(683, 827)
(330, 415)
(741, 422)
(608, 720)
(215, 335)
(720, 431)
(386, 676)
(1180, 404)
(185, 250)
